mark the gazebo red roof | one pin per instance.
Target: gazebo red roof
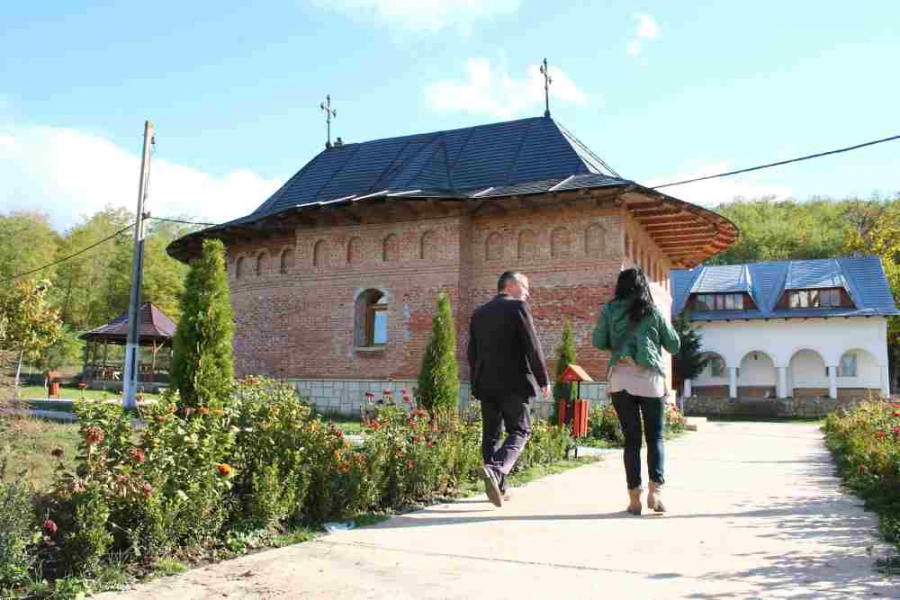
(153, 326)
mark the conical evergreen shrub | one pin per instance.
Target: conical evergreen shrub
(690, 360)
(565, 356)
(202, 363)
(438, 386)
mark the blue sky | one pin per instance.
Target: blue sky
(659, 90)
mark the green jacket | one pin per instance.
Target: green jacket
(645, 346)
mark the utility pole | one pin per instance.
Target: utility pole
(132, 345)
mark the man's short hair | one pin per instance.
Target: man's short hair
(506, 278)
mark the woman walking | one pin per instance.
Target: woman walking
(635, 332)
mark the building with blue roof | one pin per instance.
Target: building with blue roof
(798, 329)
(334, 277)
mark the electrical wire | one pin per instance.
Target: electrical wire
(779, 163)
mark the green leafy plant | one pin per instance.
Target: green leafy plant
(690, 360)
(17, 532)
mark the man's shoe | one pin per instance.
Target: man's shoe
(654, 498)
(506, 495)
(491, 487)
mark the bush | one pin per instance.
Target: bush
(202, 364)
(565, 356)
(17, 531)
(865, 441)
(438, 389)
(603, 425)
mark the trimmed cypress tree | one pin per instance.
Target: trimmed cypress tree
(438, 386)
(202, 364)
(690, 360)
(565, 356)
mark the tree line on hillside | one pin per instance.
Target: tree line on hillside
(93, 288)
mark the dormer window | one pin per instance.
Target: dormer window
(815, 298)
(708, 302)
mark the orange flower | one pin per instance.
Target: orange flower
(219, 412)
(137, 455)
(94, 435)
(172, 408)
(204, 410)
(224, 469)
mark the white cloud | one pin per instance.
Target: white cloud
(68, 174)
(647, 30)
(423, 15)
(497, 94)
(716, 191)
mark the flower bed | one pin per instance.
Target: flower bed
(213, 481)
(865, 441)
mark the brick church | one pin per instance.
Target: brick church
(334, 278)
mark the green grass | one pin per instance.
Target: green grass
(39, 392)
(165, 567)
(26, 444)
(349, 424)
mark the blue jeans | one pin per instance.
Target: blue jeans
(631, 410)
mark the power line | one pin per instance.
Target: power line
(779, 163)
(182, 221)
(70, 256)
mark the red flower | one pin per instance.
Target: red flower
(896, 431)
(897, 413)
(82, 386)
(204, 410)
(410, 464)
(146, 490)
(50, 527)
(430, 443)
(94, 435)
(404, 392)
(370, 394)
(137, 455)
(415, 439)
(861, 468)
(407, 399)
(224, 469)
(880, 435)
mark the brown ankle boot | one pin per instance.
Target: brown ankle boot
(634, 504)
(654, 497)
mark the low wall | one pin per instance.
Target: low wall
(806, 407)
(346, 396)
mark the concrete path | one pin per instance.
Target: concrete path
(755, 513)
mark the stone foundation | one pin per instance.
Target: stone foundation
(806, 407)
(346, 396)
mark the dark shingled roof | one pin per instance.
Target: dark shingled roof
(153, 326)
(527, 156)
(862, 277)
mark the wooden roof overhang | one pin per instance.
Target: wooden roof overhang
(688, 234)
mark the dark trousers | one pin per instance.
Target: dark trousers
(631, 411)
(514, 414)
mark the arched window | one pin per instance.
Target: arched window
(354, 250)
(559, 243)
(286, 263)
(849, 366)
(390, 248)
(527, 245)
(428, 246)
(371, 319)
(594, 241)
(319, 253)
(239, 267)
(494, 247)
(715, 365)
(262, 264)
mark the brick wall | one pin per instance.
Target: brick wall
(299, 324)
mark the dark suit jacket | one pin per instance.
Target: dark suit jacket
(505, 357)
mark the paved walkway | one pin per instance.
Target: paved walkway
(755, 513)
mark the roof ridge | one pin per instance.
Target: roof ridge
(437, 133)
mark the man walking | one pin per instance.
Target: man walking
(507, 369)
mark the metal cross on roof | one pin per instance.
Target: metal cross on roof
(545, 71)
(329, 113)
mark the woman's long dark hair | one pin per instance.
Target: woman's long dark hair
(633, 284)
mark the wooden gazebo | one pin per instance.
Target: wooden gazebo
(155, 331)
